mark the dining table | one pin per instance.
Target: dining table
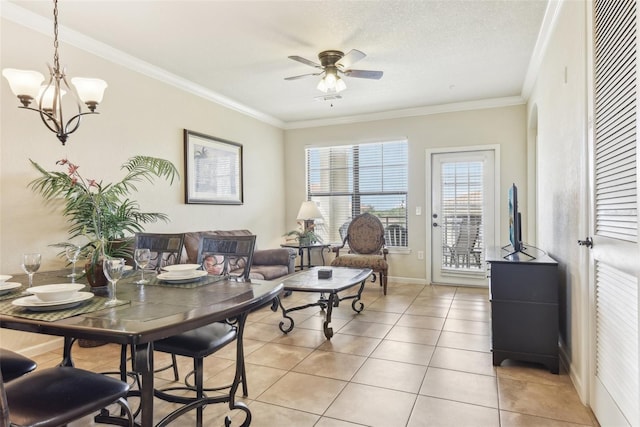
(145, 313)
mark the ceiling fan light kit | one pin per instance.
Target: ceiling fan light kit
(334, 63)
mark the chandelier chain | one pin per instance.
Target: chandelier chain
(56, 60)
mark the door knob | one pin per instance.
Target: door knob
(588, 242)
(435, 224)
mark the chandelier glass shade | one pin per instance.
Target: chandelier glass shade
(331, 82)
(27, 86)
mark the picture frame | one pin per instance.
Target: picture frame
(213, 170)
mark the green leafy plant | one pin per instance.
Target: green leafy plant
(305, 235)
(101, 212)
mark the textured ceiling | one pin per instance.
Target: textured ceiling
(431, 52)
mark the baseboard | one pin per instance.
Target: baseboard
(38, 349)
(566, 364)
(407, 280)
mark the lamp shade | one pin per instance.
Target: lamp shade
(23, 82)
(309, 210)
(89, 90)
(48, 93)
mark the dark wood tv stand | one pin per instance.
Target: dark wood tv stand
(524, 307)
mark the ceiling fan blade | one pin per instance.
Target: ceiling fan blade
(350, 58)
(305, 61)
(364, 74)
(302, 76)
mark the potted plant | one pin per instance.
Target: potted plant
(103, 213)
(305, 235)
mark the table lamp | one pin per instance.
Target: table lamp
(308, 213)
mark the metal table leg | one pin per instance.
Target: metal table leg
(143, 364)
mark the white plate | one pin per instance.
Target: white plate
(4, 277)
(181, 267)
(186, 277)
(5, 287)
(56, 292)
(34, 304)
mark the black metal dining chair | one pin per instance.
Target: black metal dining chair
(165, 248)
(231, 256)
(56, 396)
(14, 365)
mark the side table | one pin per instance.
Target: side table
(308, 247)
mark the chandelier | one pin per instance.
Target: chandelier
(27, 86)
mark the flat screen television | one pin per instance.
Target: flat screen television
(515, 220)
(515, 225)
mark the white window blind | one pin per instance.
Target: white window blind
(462, 195)
(348, 180)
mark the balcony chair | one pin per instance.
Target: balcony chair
(56, 396)
(365, 237)
(229, 256)
(14, 365)
(464, 248)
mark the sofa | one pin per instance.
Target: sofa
(268, 264)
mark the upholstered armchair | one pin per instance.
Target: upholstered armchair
(365, 237)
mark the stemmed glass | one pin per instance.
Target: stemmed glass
(142, 257)
(31, 264)
(113, 269)
(72, 252)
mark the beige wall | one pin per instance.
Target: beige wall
(139, 115)
(503, 126)
(557, 108)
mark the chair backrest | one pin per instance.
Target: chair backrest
(4, 406)
(365, 234)
(166, 248)
(468, 233)
(395, 235)
(227, 255)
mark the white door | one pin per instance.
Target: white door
(462, 218)
(614, 260)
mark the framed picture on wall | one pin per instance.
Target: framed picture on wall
(213, 170)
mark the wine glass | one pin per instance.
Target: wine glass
(31, 264)
(142, 257)
(72, 252)
(113, 269)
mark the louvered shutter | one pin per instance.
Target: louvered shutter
(615, 120)
(616, 204)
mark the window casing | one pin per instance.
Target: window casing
(348, 180)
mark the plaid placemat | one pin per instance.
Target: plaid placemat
(206, 280)
(94, 304)
(15, 293)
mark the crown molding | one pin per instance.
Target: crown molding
(43, 25)
(411, 112)
(546, 29)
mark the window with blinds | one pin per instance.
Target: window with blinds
(348, 180)
(615, 123)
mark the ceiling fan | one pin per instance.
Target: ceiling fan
(333, 64)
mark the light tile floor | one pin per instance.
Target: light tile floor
(419, 356)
